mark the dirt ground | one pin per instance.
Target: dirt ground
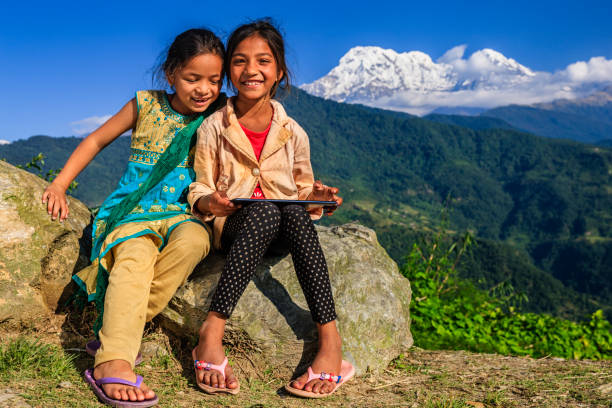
(417, 378)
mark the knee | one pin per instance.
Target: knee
(265, 210)
(295, 212)
(194, 241)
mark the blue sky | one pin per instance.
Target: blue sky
(62, 62)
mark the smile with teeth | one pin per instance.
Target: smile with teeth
(200, 100)
(252, 83)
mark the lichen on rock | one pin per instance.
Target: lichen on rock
(37, 255)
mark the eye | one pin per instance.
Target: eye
(238, 61)
(264, 60)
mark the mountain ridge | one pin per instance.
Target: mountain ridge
(413, 82)
(367, 73)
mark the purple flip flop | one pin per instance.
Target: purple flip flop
(96, 386)
(92, 347)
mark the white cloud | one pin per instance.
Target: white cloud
(88, 125)
(421, 103)
(484, 79)
(597, 69)
(4, 142)
(454, 54)
(487, 79)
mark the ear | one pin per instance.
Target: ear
(280, 75)
(170, 79)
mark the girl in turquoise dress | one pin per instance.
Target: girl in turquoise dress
(145, 240)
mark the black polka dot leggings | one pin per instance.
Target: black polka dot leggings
(259, 227)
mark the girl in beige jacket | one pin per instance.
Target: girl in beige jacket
(252, 149)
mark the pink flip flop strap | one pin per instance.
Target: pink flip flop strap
(203, 365)
(323, 376)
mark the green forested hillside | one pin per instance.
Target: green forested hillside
(472, 122)
(529, 200)
(582, 123)
(95, 182)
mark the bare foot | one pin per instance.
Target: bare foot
(210, 350)
(328, 360)
(122, 369)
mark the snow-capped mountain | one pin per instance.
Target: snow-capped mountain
(414, 82)
(487, 69)
(367, 73)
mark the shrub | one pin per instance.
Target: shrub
(450, 313)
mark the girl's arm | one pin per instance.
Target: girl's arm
(55, 194)
(204, 198)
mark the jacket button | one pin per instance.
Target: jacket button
(255, 172)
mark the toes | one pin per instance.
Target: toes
(123, 394)
(300, 381)
(131, 394)
(207, 379)
(220, 381)
(309, 386)
(147, 392)
(139, 394)
(327, 388)
(200, 376)
(214, 380)
(116, 393)
(231, 382)
(319, 387)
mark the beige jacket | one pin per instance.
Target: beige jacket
(225, 161)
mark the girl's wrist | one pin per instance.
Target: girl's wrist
(202, 204)
(59, 185)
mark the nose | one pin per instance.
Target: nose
(250, 68)
(201, 88)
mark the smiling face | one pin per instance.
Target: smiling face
(197, 83)
(253, 69)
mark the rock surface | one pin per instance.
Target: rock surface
(11, 399)
(372, 303)
(37, 255)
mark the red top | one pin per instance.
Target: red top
(257, 139)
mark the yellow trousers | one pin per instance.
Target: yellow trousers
(142, 280)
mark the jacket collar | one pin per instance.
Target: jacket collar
(277, 137)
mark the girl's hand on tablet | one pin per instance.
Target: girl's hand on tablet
(326, 193)
(219, 205)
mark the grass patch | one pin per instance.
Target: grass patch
(31, 368)
(23, 357)
(445, 402)
(497, 399)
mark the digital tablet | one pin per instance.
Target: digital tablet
(277, 201)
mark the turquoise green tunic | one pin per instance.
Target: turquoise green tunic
(156, 126)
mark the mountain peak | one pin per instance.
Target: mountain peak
(364, 73)
(367, 73)
(501, 61)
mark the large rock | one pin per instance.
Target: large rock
(372, 302)
(37, 255)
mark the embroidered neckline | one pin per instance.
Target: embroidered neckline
(171, 113)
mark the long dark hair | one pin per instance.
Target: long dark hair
(266, 29)
(185, 46)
